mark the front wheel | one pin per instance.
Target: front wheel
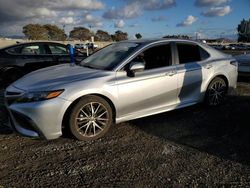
(216, 92)
(91, 118)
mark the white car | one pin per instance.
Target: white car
(121, 82)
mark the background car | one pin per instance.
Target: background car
(121, 82)
(20, 59)
(243, 64)
(80, 46)
(217, 46)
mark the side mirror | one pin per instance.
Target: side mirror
(136, 67)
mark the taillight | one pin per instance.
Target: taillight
(235, 63)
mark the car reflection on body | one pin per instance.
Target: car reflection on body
(121, 82)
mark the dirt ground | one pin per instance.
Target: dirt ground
(194, 146)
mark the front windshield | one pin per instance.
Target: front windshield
(110, 56)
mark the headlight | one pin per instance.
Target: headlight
(39, 96)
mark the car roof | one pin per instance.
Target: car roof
(30, 43)
(148, 41)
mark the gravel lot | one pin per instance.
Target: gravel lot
(195, 146)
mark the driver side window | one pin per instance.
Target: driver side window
(155, 57)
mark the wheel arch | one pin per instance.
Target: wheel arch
(68, 110)
(220, 76)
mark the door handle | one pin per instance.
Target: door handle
(208, 66)
(170, 73)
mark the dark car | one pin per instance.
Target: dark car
(20, 59)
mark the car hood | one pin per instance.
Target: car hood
(56, 75)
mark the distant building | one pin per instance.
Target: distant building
(244, 31)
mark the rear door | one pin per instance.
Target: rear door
(193, 70)
(59, 53)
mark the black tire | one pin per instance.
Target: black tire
(91, 118)
(216, 92)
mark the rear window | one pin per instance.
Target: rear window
(191, 53)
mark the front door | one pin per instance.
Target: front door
(152, 90)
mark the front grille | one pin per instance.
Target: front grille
(23, 121)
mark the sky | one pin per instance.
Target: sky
(150, 18)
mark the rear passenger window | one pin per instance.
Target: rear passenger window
(56, 49)
(191, 53)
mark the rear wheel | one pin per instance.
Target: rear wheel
(216, 92)
(91, 118)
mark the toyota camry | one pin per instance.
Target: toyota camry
(121, 82)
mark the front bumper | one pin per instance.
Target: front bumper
(38, 119)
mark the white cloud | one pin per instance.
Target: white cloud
(119, 24)
(91, 20)
(217, 11)
(154, 4)
(67, 20)
(44, 12)
(129, 11)
(157, 4)
(76, 4)
(204, 3)
(188, 21)
(71, 13)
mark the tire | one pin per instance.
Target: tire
(216, 92)
(91, 118)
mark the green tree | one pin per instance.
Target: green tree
(35, 32)
(119, 36)
(55, 33)
(138, 36)
(102, 36)
(80, 33)
(244, 31)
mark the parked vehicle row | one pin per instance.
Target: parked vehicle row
(121, 82)
(236, 46)
(20, 59)
(85, 46)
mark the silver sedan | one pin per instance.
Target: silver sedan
(121, 82)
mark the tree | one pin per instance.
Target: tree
(80, 33)
(43, 32)
(55, 33)
(35, 32)
(102, 36)
(177, 36)
(244, 31)
(119, 36)
(138, 36)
